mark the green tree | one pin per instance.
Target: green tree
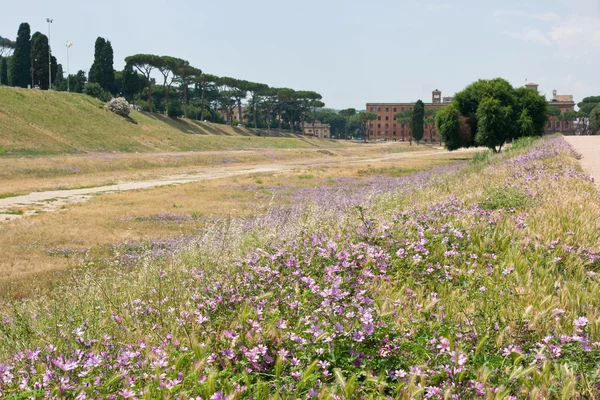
(495, 124)
(39, 56)
(588, 104)
(94, 89)
(508, 114)
(447, 122)
(175, 110)
(21, 66)
(205, 80)
(430, 121)
(256, 91)
(186, 73)
(95, 74)
(7, 46)
(76, 82)
(145, 63)
(102, 70)
(417, 121)
(404, 118)
(60, 75)
(131, 83)
(595, 120)
(3, 71)
(365, 119)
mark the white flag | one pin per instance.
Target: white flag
(69, 44)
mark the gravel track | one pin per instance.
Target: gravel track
(589, 148)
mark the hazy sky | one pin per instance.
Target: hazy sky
(352, 52)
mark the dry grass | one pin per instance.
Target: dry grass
(28, 174)
(110, 219)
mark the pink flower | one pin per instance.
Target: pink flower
(580, 322)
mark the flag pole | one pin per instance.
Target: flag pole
(68, 71)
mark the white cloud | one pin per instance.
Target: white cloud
(577, 36)
(438, 7)
(533, 36)
(548, 16)
(502, 12)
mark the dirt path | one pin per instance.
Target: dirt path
(19, 206)
(589, 148)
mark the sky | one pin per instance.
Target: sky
(352, 52)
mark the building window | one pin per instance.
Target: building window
(557, 124)
(379, 118)
(371, 109)
(394, 118)
(378, 109)
(387, 109)
(394, 133)
(566, 124)
(371, 125)
(394, 109)
(394, 125)
(379, 125)
(387, 125)
(549, 125)
(402, 108)
(387, 118)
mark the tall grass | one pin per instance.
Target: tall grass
(410, 288)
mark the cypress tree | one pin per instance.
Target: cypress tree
(39, 55)
(3, 72)
(107, 72)
(417, 121)
(59, 74)
(131, 82)
(21, 57)
(94, 74)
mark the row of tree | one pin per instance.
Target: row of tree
(210, 94)
(26, 61)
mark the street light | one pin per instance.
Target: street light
(49, 21)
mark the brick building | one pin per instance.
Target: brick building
(564, 102)
(388, 128)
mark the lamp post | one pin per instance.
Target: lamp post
(49, 20)
(69, 44)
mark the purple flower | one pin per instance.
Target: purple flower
(580, 322)
(358, 336)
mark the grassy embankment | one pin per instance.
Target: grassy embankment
(34, 122)
(477, 282)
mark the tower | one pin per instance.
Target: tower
(436, 96)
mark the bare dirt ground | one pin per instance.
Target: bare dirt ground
(589, 148)
(18, 206)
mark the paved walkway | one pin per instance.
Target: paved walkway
(589, 148)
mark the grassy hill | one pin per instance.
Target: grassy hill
(34, 122)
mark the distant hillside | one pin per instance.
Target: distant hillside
(34, 122)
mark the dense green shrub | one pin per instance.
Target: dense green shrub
(94, 89)
(175, 109)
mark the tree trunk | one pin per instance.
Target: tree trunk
(202, 105)
(240, 121)
(280, 121)
(150, 96)
(185, 102)
(254, 112)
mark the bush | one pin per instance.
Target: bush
(175, 110)
(94, 89)
(119, 106)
